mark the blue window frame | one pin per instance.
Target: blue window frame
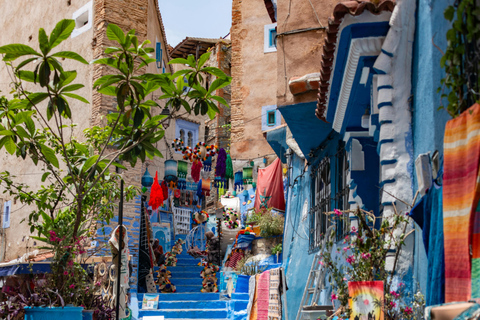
(158, 54)
(273, 38)
(187, 131)
(271, 118)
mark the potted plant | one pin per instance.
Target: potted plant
(358, 273)
(276, 251)
(79, 186)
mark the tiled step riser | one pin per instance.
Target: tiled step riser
(188, 281)
(186, 314)
(202, 304)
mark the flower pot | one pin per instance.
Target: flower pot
(56, 313)
(88, 315)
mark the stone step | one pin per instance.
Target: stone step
(196, 296)
(189, 313)
(185, 268)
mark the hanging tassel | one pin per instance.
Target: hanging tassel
(229, 168)
(221, 163)
(238, 180)
(207, 164)
(199, 189)
(164, 190)
(156, 194)
(195, 171)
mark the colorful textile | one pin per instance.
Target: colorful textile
(234, 258)
(364, 295)
(274, 305)
(428, 214)
(263, 293)
(460, 198)
(269, 191)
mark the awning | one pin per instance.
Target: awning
(34, 268)
(308, 130)
(25, 268)
(277, 139)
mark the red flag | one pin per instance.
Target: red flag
(270, 187)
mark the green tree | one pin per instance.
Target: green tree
(79, 184)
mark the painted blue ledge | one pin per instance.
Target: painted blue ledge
(384, 87)
(387, 162)
(385, 104)
(384, 182)
(387, 53)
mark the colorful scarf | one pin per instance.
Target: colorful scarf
(460, 199)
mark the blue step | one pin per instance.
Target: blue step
(186, 314)
(201, 304)
(240, 296)
(184, 296)
(182, 268)
(188, 288)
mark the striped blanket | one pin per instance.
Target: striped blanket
(266, 299)
(460, 198)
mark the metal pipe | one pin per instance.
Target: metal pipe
(120, 228)
(286, 33)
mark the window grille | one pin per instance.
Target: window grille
(327, 195)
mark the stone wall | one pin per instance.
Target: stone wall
(254, 79)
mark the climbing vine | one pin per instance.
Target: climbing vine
(462, 58)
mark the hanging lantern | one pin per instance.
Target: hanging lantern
(147, 179)
(170, 170)
(247, 175)
(238, 180)
(182, 170)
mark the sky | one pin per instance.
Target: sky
(195, 18)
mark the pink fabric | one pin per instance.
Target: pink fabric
(263, 295)
(270, 184)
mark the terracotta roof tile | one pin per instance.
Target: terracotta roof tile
(353, 8)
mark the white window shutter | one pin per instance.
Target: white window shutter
(6, 214)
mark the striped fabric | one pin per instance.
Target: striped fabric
(460, 198)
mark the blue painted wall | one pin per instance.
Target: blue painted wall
(296, 260)
(428, 121)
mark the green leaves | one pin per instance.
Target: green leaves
(13, 51)
(115, 33)
(49, 155)
(70, 55)
(61, 32)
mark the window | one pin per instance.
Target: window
(330, 191)
(187, 131)
(182, 135)
(159, 55)
(83, 19)
(163, 66)
(6, 214)
(271, 118)
(190, 139)
(270, 38)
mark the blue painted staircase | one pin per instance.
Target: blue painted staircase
(189, 302)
